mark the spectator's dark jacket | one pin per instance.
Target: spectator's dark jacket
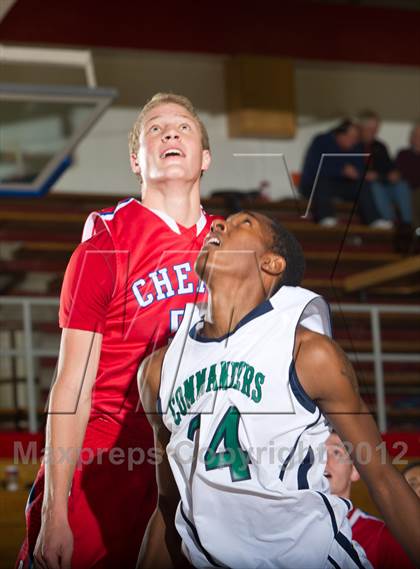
(408, 163)
(332, 166)
(380, 161)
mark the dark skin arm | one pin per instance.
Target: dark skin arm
(328, 377)
(161, 547)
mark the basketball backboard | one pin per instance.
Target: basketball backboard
(40, 125)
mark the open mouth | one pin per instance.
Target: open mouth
(213, 241)
(171, 152)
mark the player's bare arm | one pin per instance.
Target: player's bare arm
(69, 409)
(328, 377)
(161, 547)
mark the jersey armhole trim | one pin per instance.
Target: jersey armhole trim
(298, 390)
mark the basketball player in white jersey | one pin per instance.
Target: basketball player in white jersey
(238, 403)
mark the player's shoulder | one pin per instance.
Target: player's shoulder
(99, 240)
(112, 218)
(153, 362)
(316, 344)
(320, 363)
(122, 209)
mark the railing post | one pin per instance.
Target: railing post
(379, 369)
(29, 365)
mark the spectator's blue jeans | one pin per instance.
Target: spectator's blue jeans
(387, 195)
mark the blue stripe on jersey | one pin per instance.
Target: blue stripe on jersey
(115, 209)
(259, 310)
(31, 497)
(333, 563)
(331, 512)
(349, 547)
(298, 390)
(340, 537)
(197, 539)
(347, 502)
(292, 452)
(303, 469)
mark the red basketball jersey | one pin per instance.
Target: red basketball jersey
(381, 548)
(141, 275)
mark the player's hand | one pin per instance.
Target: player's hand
(54, 546)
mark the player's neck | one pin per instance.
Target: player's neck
(177, 199)
(346, 493)
(226, 308)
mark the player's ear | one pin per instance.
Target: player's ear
(134, 163)
(273, 264)
(354, 476)
(205, 160)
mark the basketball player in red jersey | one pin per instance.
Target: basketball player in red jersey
(123, 294)
(381, 548)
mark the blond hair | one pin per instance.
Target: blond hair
(162, 99)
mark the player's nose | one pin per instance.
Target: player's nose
(218, 225)
(170, 133)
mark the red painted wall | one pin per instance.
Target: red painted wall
(295, 29)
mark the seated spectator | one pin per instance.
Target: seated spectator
(389, 190)
(408, 163)
(339, 176)
(412, 474)
(381, 548)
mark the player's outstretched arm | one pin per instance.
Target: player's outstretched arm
(69, 409)
(161, 547)
(328, 377)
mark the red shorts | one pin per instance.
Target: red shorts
(112, 497)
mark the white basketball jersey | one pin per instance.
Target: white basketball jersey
(247, 444)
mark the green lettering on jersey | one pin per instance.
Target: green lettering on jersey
(237, 372)
(176, 416)
(212, 379)
(200, 377)
(256, 393)
(189, 391)
(247, 380)
(181, 402)
(224, 374)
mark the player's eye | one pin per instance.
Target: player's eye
(185, 127)
(246, 220)
(154, 128)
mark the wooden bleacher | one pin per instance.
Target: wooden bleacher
(42, 233)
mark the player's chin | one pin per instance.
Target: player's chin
(202, 263)
(176, 169)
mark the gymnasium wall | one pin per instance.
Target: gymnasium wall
(325, 92)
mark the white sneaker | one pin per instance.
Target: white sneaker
(328, 222)
(382, 224)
